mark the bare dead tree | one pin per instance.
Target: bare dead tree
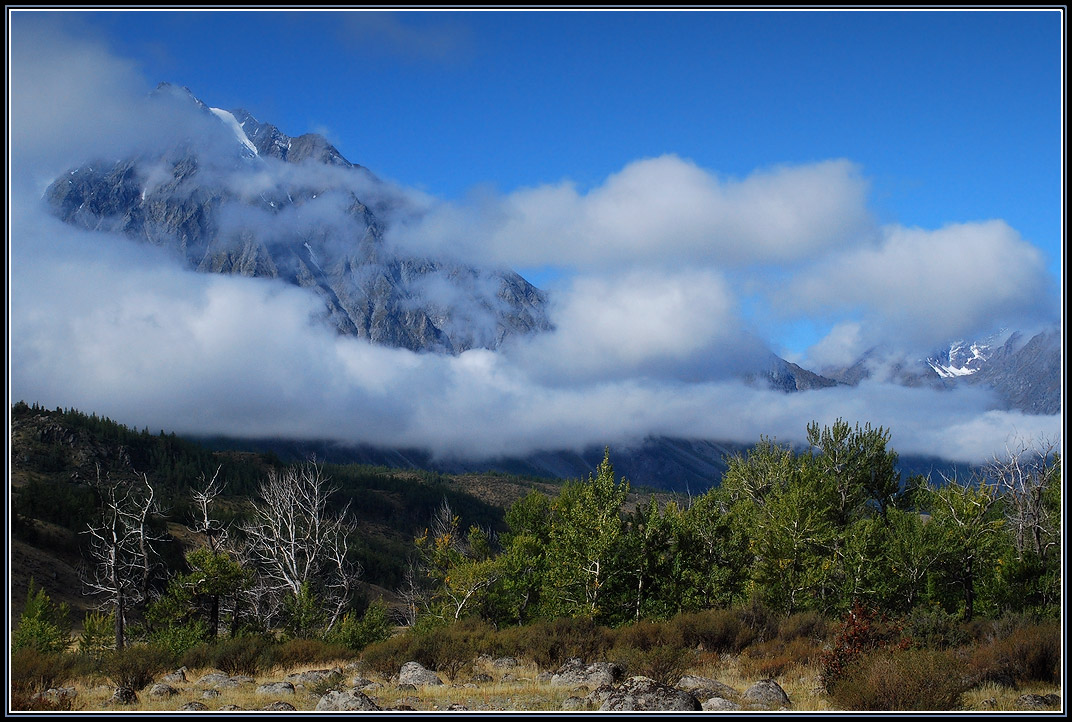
(215, 532)
(121, 549)
(294, 540)
(1024, 476)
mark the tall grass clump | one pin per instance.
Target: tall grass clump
(901, 680)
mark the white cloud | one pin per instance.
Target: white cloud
(664, 211)
(924, 288)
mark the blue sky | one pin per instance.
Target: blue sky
(821, 180)
(952, 116)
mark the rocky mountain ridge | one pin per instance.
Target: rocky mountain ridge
(240, 197)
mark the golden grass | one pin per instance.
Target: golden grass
(523, 693)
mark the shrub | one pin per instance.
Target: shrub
(663, 664)
(243, 655)
(550, 643)
(1028, 654)
(934, 628)
(387, 657)
(135, 666)
(860, 632)
(775, 657)
(725, 630)
(98, 634)
(43, 626)
(35, 671)
(900, 679)
(298, 652)
(804, 625)
(357, 633)
(176, 639)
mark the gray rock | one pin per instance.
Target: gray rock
(599, 695)
(1037, 701)
(413, 673)
(456, 707)
(575, 673)
(193, 707)
(162, 691)
(210, 694)
(124, 695)
(214, 679)
(340, 701)
(279, 707)
(644, 694)
(176, 677)
(574, 703)
(231, 708)
(718, 704)
(276, 688)
(56, 695)
(706, 687)
(312, 676)
(505, 662)
(482, 678)
(767, 693)
(360, 682)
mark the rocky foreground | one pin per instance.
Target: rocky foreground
(505, 684)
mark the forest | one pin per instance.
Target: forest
(828, 540)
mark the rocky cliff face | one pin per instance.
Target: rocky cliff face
(240, 197)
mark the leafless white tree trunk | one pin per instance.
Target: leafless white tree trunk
(121, 549)
(1023, 477)
(293, 539)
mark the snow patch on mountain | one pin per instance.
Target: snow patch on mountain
(232, 122)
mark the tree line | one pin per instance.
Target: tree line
(814, 530)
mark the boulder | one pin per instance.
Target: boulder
(279, 707)
(768, 693)
(706, 687)
(575, 673)
(162, 691)
(1037, 701)
(176, 677)
(413, 673)
(210, 694)
(124, 695)
(646, 695)
(56, 695)
(276, 688)
(312, 676)
(231, 708)
(574, 703)
(193, 707)
(719, 704)
(346, 701)
(213, 679)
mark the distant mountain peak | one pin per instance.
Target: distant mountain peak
(223, 202)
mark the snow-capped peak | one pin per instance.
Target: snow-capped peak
(233, 123)
(962, 358)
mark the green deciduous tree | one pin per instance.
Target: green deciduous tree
(586, 528)
(43, 626)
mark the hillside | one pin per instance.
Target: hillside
(58, 454)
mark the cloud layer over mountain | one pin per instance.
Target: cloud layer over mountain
(662, 265)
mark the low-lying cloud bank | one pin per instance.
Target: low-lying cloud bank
(662, 267)
(103, 324)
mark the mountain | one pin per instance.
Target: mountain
(234, 195)
(1023, 370)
